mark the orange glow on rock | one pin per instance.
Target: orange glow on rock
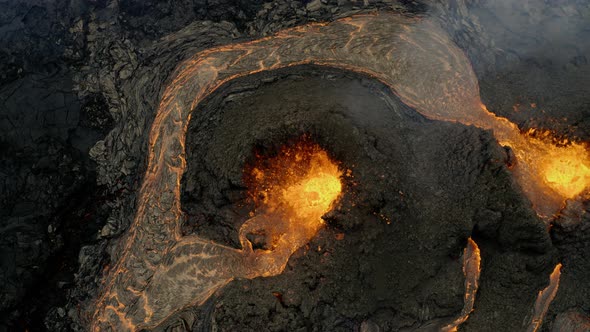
(549, 171)
(566, 170)
(471, 270)
(294, 189)
(562, 170)
(544, 299)
(567, 175)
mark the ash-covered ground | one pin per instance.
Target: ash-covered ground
(79, 87)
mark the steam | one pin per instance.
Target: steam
(546, 32)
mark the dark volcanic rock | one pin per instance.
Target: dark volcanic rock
(391, 249)
(79, 83)
(47, 192)
(44, 164)
(154, 19)
(573, 243)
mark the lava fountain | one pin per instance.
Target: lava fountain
(291, 191)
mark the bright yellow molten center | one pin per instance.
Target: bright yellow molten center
(315, 194)
(549, 170)
(567, 173)
(300, 184)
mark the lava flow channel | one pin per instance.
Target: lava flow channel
(471, 270)
(291, 192)
(413, 56)
(544, 299)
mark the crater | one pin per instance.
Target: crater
(390, 250)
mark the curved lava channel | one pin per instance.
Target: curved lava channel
(471, 270)
(414, 56)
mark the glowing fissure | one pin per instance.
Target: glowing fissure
(544, 299)
(414, 56)
(471, 270)
(291, 192)
(548, 173)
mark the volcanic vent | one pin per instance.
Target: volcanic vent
(291, 191)
(295, 165)
(375, 259)
(247, 152)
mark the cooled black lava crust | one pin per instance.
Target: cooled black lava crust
(419, 189)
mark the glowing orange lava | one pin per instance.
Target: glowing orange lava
(549, 171)
(544, 299)
(567, 173)
(160, 271)
(294, 188)
(565, 168)
(471, 270)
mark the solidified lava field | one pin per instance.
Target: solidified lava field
(286, 165)
(398, 261)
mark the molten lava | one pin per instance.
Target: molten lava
(567, 174)
(544, 299)
(549, 171)
(566, 168)
(471, 270)
(561, 171)
(294, 189)
(159, 271)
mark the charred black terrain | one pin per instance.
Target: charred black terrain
(389, 254)
(80, 86)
